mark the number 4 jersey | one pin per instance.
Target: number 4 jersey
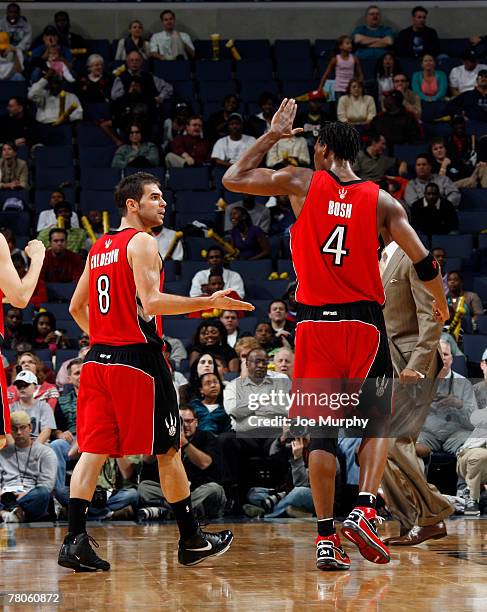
(115, 313)
(334, 243)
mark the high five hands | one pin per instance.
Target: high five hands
(282, 122)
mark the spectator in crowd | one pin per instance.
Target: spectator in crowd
(178, 352)
(478, 178)
(395, 123)
(165, 238)
(440, 255)
(480, 389)
(75, 236)
(189, 149)
(134, 41)
(15, 329)
(429, 84)
(412, 102)
(424, 175)
(232, 279)
(242, 348)
(40, 292)
(355, 107)
(215, 283)
(204, 364)
(386, 67)
(265, 337)
(65, 433)
(218, 122)
(136, 154)
(433, 214)
(208, 406)
(227, 150)
(17, 125)
(418, 39)
(311, 120)
(45, 391)
(52, 107)
(281, 327)
(282, 215)
(12, 244)
(11, 60)
(248, 238)
(372, 39)
(50, 50)
(260, 123)
(68, 39)
(39, 411)
(175, 125)
(62, 377)
(14, 173)
(372, 164)
(169, 44)
(17, 27)
(284, 362)
(152, 87)
(201, 459)
(95, 86)
(27, 474)
(259, 213)
(46, 336)
(463, 78)
(60, 264)
(48, 218)
(465, 306)
(448, 425)
(454, 169)
(472, 103)
(345, 65)
(291, 151)
(461, 146)
(248, 439)
(229, 318)
(211, 337)
(290, 299)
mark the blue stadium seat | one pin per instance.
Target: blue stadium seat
(60, 292)
(472, 221)
(448, 63)
(12, 89)
(453, 263)
(159, 173)
(96, 111)
(208, 70)
(196, 201)
(21, 194)
(186, 218)
(179, 70)
(324, 48)
(194, 246)
(9, 355)
(433, 110)
(21, 241)
(286, 265)
(261, 307)
(189, 268)
(96, 200)
(474, 347)
(265, 290)
(482, 326)
(408, 152)
(295, 70)
(218, 172)
(18, 221)
(250, 91)
(170, 270)
(474, 198)
(459, 365)
(92, 136)
(368, 68)
(254, 70)
(184, 90)
(45, 355)
(53, 157)
(180, 287)
(410, 65)
(454, 245)
(42, 197)
(182, 179)
(297, 88)
(60, 311)
(100, 46)
(247, 324)
(63, 355)
(204, 50)
(27, 312)
(253, 49)
(100, 179)
(292, 49)
(454, 47)
(96, 157)
(52, 178)
(180, 328)
(71, 329)
(55, 136)
(257, 270)
(480, 287)
(216, 90)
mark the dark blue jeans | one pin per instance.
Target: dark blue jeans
(34, 504)
(120, 499)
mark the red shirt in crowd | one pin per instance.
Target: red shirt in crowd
(197, 147)
(65, 268)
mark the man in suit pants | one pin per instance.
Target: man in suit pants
(414, 344)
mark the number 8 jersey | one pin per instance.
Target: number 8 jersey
(334, 243)
(115, 313)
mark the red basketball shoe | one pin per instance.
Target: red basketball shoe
(359, 527)
(330, 555)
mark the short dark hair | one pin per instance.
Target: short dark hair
(341, 138)
(267, 95)
(193, 118)
(482, 73)
(132, 188)
(62, 204)
(44, 313)
(73, 362)
(277, 301)
(190, 408)
(165, 13)
(375, 137)
(425, 156)
(455, 272)
(215, 272)
(215, 248)
(57, 230)
(20, 100)
(418, 9)
(434, 185)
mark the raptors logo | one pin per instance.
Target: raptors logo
(108, 243)
(171, 426)
(381, 385)
(342, 193)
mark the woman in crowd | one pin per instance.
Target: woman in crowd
(430, 84)
(208, 406)
(204, 364)
(387, 66)
(133, 42)
(211, 337)
(136, 154)
(96, 85)
(45, 333)
(14, 173)
(46, 390)
(248, 238)
(355, 107)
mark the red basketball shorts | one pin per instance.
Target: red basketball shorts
(4, 406)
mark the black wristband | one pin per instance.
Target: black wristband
(427, 269)
(185, 446)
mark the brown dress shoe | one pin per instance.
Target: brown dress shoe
(417, 534)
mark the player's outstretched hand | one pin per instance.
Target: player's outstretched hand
(220, 300)
(35, 249)
(282, 122)
(3, 441)
(439, 314)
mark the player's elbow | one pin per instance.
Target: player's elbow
(230, 179)
(18, 301)
(150, 307)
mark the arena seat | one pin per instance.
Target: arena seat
(189, 179)
(52, 178)
(100, 46)
(17, 221)
(253, 49)
(295, 70)
(184, 91)
(100, 179)
(180, 328)
(459, 365)
(324, 48)
(53, 157)
(92, 136)
(170, 268)
(474, 198)
(204, 49)
(96, 111)
(216, 90)
(196, 201)
(292, 50)
(194, 246)
(286, 265)
(21, 194)
(42, 197)
(96, 200)
(189, 267)
(265, 290)
(96, 157)
(60, 292)
(454, 47)
(254, 70)
(178, 70)
(482, 326)
(59, 310)
(474, 347)
(54, 135)
(480, 287)
(186, 218)
(247, 324)
(208, 70)
(180, 287)
(433, 110)
(409, 152)
(410, 65)
(159, 173)
(257, 270)
(472, 221)
(455, 245)
(250, 91)
(12, 89)
(63, 355)
(297, 87)
(70, 328)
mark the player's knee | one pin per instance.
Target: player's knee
(422, 450)
(165, 458)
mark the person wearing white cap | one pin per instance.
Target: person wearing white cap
(41, 414)
(16, 292)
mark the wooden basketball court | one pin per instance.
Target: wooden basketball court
(269, 567)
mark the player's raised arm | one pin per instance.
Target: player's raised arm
(18, 291)
(393, 217)
(78, 307)
(245, 176)
(145, 261)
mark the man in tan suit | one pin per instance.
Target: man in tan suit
(414, 344)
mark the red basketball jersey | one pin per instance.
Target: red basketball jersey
(115, 313)
(1, 317)
(334, 243)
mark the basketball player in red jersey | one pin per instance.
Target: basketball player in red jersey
(340, 331)
(15, 291)
(127, 402)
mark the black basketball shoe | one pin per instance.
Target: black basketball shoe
(204, 544)
(77, 554)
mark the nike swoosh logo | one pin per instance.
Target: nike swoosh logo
(76, 556)
(207, 547)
